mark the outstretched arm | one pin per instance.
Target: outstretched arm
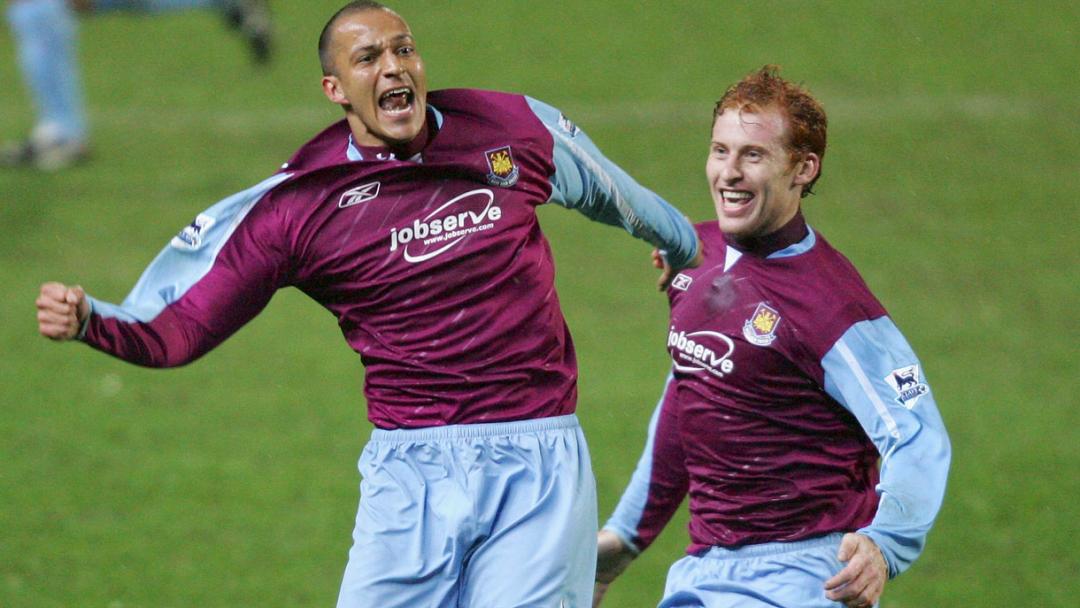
(216, 275)
(586, 180)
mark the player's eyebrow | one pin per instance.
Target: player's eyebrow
(376, 46)
(754, 148)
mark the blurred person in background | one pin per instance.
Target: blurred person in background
(45, 33)
(789, 384)
(414, 222)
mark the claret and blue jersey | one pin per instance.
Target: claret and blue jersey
(433, 265)
(789, 384)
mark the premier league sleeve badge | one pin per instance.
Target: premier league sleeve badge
(907, 384)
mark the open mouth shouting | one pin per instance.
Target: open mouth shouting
(397, 102)
(398, 115)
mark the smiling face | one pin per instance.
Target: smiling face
(755, 186)
(377, 76)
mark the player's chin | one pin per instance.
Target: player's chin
(735, 228)
(399, 133)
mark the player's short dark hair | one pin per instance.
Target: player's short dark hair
(765, 90)
(356, 6)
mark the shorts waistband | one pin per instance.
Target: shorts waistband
(476, 431)
(762, 549)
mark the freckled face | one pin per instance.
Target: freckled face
(753, 183)
(378, 77)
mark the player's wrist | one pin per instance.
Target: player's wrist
(82, 317)
(613, 555)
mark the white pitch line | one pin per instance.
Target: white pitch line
(842, 110)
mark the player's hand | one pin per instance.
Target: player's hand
(61, 310)
(667, 273)
(612, 557)
(599, 589)
(659, 262)
(860, 583)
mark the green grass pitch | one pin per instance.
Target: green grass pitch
(950, 181)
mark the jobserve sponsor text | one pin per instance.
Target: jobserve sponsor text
(701, 350)
(446, 226)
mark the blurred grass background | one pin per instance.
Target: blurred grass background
(950, 181)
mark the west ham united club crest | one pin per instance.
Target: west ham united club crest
(502, 171)
(760, 329)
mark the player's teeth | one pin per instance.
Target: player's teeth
(396, 100)
(735, 197)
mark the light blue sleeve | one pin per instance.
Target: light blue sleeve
(872, 371)
(586, 180)
(187, 258)
(624, 520)
(190, 298)
(659, 482)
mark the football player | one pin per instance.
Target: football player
(789, 384)
(413, 221)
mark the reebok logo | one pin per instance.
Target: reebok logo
(681, 282)
(360, 194)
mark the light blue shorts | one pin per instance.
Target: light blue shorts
(479, 516)
(777, 575)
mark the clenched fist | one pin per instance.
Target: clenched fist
(61, 310)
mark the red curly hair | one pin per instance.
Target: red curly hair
(766, 90)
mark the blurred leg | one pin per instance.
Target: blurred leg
(45, 36)
(154, 6)
(251, 18)
(45, 33)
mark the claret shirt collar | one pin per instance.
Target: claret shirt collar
(791, 233)
(409, 152)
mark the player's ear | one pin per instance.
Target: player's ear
(807, 169)
(331, 87)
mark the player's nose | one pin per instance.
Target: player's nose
(392, 65)
(730, 171)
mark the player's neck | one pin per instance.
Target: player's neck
(399, 151)
(788, 234)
